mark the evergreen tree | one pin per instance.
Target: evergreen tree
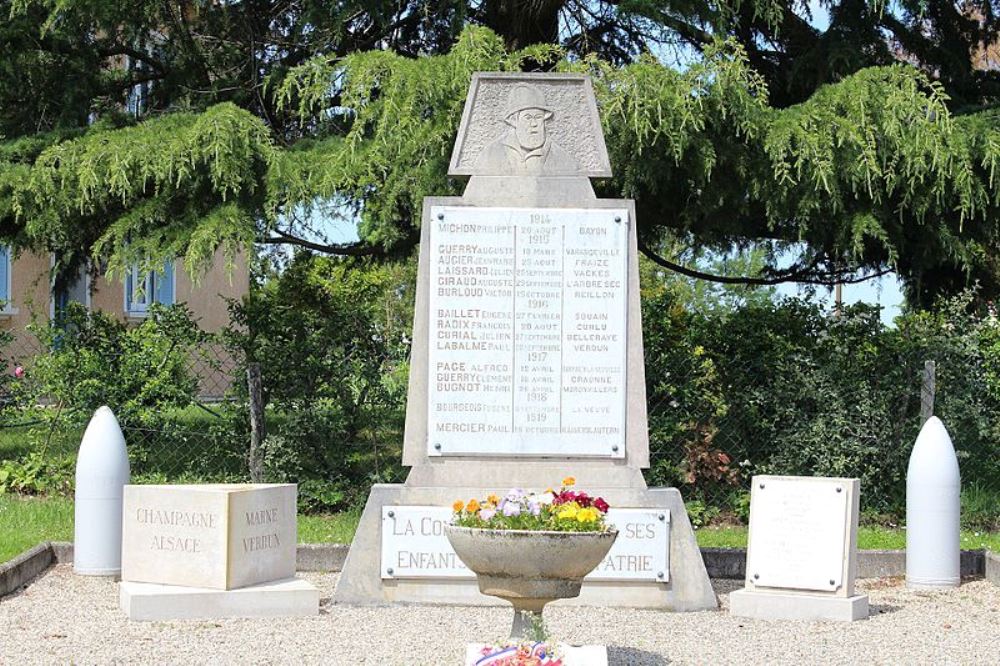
(137, 130)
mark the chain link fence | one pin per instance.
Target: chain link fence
(717, 416)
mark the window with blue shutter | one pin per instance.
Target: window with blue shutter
(141, 291)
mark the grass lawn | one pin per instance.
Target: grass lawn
(869, 538)
(26, 521)
(329, 528)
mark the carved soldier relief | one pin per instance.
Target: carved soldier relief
(526, 148)
(530, 125)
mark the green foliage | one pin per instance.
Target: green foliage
(37, 474)
(786, 388)
(333, 344)
(699, 513)
(980, 500)
(92, 359)
(871, 171)
(144, 372)
(26, 521)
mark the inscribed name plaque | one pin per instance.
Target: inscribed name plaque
(527, 335)
(798, 528)
(414, 545)
(802, 551)
(221, 537)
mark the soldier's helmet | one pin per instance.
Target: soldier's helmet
(524, 97)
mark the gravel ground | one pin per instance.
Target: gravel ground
(66, 618)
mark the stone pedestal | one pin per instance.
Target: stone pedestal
(284, 598)
(789, 606)
(802, 551)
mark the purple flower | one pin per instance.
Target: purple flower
(514, 494)
(534, 508)
(486, 514)
(511, 509)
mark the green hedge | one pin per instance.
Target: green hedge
(788, 388)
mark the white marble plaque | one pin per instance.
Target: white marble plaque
(527, 331)
(798, 533)
(414, 545)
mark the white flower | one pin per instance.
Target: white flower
(546, 498)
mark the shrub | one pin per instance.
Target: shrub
(332, 340)
(787, 388)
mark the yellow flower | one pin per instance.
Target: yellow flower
(567, 512)
(457, 506)
(569, 481)
(493, 499)
(472, 506)
(587, 515)
(549, 490)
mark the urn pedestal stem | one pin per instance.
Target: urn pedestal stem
(527, 614)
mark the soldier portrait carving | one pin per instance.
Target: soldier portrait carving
(527, 148)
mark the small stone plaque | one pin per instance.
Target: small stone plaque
(527, 334)
(799, 532)
(414, 545)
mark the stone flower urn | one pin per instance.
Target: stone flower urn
(529, 568)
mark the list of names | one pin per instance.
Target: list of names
(527, 331)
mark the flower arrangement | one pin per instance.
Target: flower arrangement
(564, 511)
(528, 653)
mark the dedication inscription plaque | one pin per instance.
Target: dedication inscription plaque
(799, 528)
(802, 550)
(414, 546)
(527, 331)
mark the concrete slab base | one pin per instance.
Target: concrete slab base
(688, 588)
(572, 655)
(787, 606)
(281, 598)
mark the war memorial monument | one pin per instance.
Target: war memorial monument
(527, 360)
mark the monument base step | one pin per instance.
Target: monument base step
(685, 586)
(810, 607)
(572, 655)
(281, 598)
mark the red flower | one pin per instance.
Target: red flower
(601, 505)
(564, 497)
(583, 499)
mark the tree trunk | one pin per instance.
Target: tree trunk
(524, 22)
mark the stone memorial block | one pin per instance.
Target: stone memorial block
(220, 537)
(527, 361)
(802, 550)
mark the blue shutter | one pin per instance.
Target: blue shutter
(4, 275)
(165, 284)
(129, 280)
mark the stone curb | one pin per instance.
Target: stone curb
(992, 567)
(731, 563)
(21, 570)
(321, 556)
(725, 563)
